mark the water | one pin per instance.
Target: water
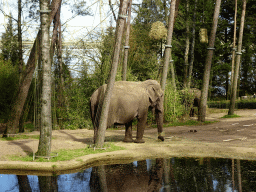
(175, 174)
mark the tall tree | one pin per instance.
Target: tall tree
(187, 46)
(10, 43)
(99, 141)
(20, 40)
(234, 46)
(237, 64)
(44, 147)
(168, 46)
(126, 47)
(13, 121)
(207, 68)
(190, 69)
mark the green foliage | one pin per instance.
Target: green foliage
(173, 106)
(230, 116)
(78, 111)
(240, 104)
(10, 44)
(19, 137)
(66, 155)
(187, 97)
(9, 80)
(29, 127)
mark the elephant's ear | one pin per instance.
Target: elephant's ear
(156, 97)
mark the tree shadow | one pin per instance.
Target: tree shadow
(83, 140)
(22, 144)
(89, 140)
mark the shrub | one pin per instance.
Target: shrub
(173, 106)
(9, 80)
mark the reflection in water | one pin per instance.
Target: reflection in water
(165, 175)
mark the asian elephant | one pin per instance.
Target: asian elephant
(130, 100)
(193, 96)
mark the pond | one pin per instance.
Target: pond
(174, 174)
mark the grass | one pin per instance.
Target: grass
(66, 155)
(230, 116)
(18, 137)
(216, 110)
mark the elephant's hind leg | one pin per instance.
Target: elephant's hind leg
(128, 133)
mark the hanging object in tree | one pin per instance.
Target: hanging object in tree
(203, 35)
(158, 31)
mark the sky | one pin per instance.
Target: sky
(74, 27)
(66, 15)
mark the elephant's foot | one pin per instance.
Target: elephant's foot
(161, 138)
(128, 140)
(139, 141)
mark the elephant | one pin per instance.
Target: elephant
(196, 97)
(130, 100)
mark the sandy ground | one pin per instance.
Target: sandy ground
(227, 138)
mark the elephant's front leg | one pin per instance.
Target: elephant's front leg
(140, 128)
(128, 132)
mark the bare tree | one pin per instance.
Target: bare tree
(208, 63)
(237, 64)
(99, 141)
(168, 46)
(44, 147)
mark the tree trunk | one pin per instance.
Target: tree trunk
(126, 47)
(168, 45)
(187, 48)
(106, 102)
(234, 49)
(23, 183)
(208, 62)
(20, 41)
(192, 48)
(239, 175)
(13, 121)
(44, 147)
(48, 183)
(237, 64)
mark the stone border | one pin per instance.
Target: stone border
(199, 150)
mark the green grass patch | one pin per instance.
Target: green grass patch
(19, 137)
(65, 155)
(230, 116)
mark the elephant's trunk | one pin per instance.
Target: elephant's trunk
(159, 121)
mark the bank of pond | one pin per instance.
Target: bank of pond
(173, 174)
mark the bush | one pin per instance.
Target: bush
(173, 105)
(242, 104)
(9, 80)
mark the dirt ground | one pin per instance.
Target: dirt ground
(227, 138)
